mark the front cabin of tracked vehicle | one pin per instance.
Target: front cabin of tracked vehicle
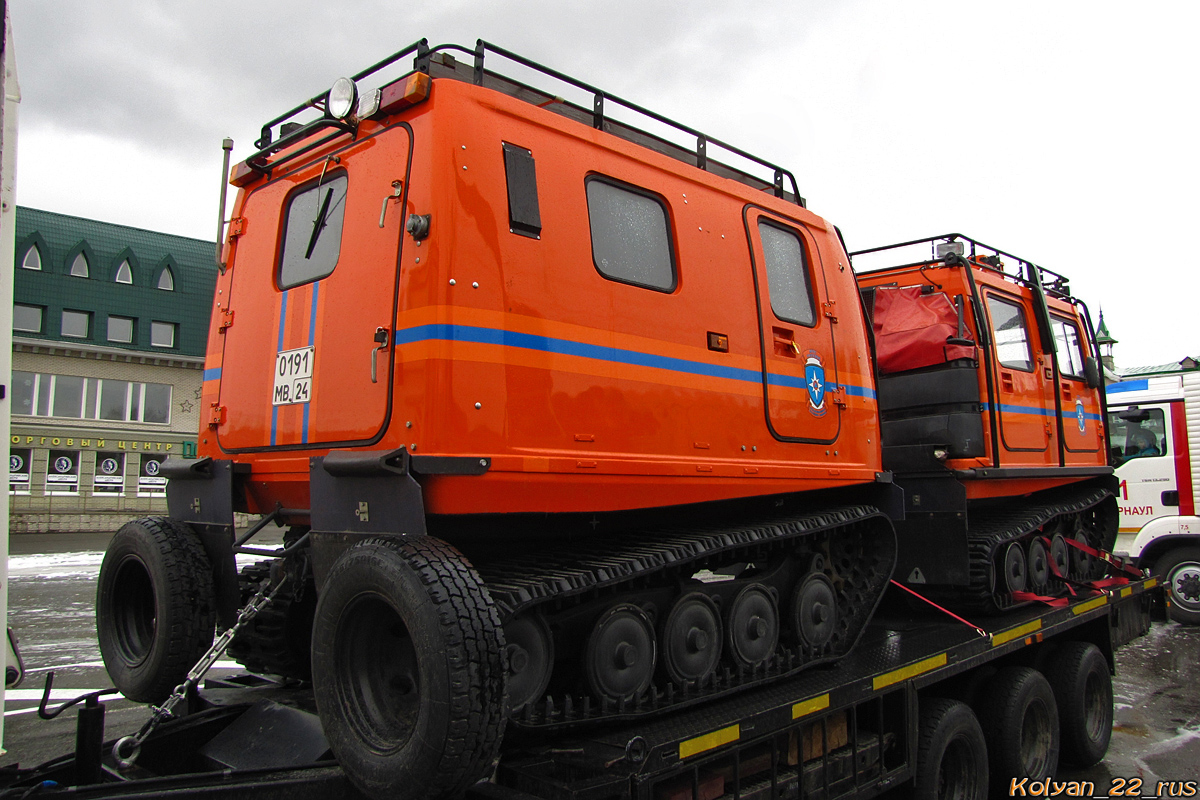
(988, 385)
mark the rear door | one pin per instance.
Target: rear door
(1082, 428)
(799, 369)
(307, 354)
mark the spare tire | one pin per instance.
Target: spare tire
(408, 668)
(155, 611)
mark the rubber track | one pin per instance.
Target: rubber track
(994, 528)
(265, 645)
(578, 571)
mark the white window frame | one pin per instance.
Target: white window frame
(87, 324)
(37, 258)
(109, 333)
(41, 318)
(155, 327)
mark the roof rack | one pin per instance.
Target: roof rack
(440, 62)
(983, 256)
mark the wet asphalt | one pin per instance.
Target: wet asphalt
(1155, 748)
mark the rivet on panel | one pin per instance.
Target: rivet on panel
(474, 284)
(754, 448)
(743, 448)
(418, 259)
(478, 406)
(408, 424)
(413, 447)
(452, 282)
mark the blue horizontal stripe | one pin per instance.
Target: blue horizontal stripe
(213, 374)
(1128, 386)
(546, 344)
(1037, 411)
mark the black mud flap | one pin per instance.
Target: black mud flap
(200, 493)
(358, 494)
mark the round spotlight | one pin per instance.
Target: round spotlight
(342, 98)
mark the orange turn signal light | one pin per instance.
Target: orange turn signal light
(243, 174)
(404, 93)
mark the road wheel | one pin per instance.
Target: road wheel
(1179, 570)
(155, 611)
(1079, 676)
(952, 760)
(408, 668)
(1020, 723)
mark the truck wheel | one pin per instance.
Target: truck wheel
(1179, 570)
(951, 753)
(1020, 723)
(155, 611)
(1079, 676)
(408, 668)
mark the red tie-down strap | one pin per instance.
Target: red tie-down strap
(1095, 586)
(945, 611)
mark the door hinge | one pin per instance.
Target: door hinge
(225, 321)
(216, 415)
(830, 311)
(835, 392)
(237, 226)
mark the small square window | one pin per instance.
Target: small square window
(120, 329)
(631, 240)
(76, 324)
(27, 318)
(162, 334)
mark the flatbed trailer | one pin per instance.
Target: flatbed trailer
(849, 730)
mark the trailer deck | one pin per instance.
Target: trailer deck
(843, 731)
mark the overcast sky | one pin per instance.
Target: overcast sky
(1060, 130)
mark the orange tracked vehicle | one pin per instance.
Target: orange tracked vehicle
(569, 422)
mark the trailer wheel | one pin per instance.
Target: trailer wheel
(408, 668)
(1079, 676)
(155, 611)
(1179, 570)
(1020, 722)
(952, 757)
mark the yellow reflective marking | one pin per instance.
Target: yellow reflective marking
(911, 671)
(1128, 590)
(708, 741)
(806, 707)
(1016, 633)
(1150, 584)
(1089, 605)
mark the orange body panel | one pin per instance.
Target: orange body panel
(584, 393)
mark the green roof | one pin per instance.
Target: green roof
(60, 238)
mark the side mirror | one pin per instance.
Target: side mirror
(1091, 372)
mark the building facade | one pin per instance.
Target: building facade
(109, 331)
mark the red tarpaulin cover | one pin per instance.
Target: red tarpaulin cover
(911, 329)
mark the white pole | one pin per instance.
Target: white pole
(8, 182)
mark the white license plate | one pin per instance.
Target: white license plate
(293, 377)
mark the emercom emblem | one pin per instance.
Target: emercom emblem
(814, 382)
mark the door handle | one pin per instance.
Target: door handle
(397, 188)
(381, 343)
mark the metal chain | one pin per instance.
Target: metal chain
(127, 749)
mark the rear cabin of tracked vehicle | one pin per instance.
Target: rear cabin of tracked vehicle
(632, 384)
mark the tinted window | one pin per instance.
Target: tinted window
(787, 274)
(120, 329)
(312, 234)
(630, 237)
(162, 334)
(1010, 333)
(1069, 346)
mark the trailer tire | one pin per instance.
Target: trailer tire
(1179, 570)
(1019, 716)
(952, 756)
(408, 668)
(1083, 690)
(155, 610)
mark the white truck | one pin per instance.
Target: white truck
(1154, 443)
